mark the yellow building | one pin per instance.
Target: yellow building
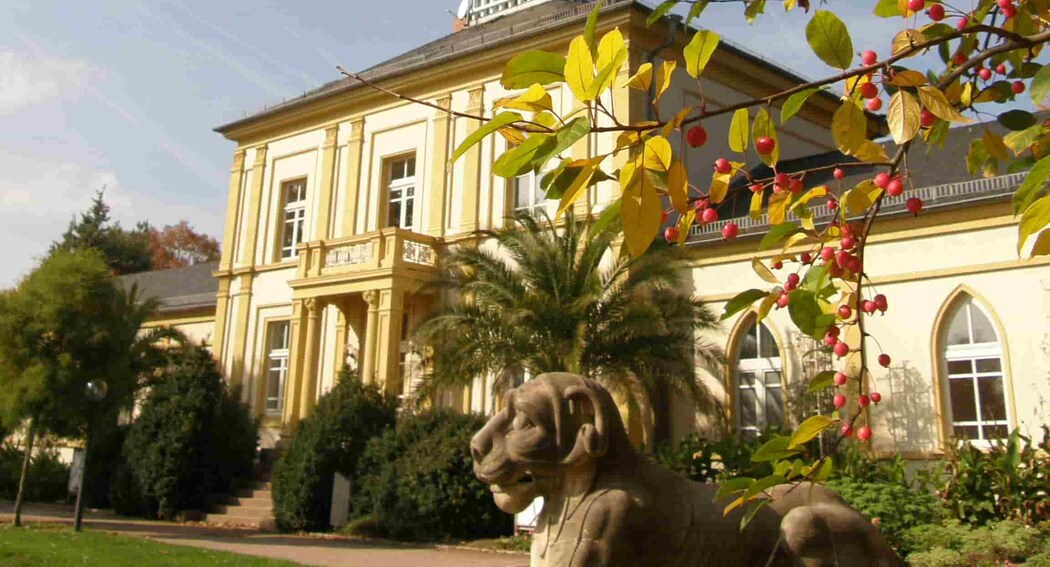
(341, 202)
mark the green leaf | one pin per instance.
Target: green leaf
(827, 466)
(497, 122)
(762, 485)
(738, 131)
(809, 429)
(742, 301)
(822, 381)
(816, 278)
(518, 160)
(887, 9)
(609, 217)
(777, 234)
(794, 103)
(774, 449)
(531, 67)
(1019, 142)
(659, 12)
(753, 9)
(1035, 218)
(1017, 119)
(733, 485)
(560, 141)
(806, 313)
(696, 10)
(1027, 193)
(752, 511)
(589, 29)
(830, 40)
(699, 52)
(1040, 87)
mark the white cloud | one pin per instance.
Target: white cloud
(26, 80)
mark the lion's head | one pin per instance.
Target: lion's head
(549, 426)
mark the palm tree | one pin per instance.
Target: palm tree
(551, 298)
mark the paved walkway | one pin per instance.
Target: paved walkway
(305, 550)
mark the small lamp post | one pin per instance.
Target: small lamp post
(95, 391)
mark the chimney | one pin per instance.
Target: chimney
(459, 24)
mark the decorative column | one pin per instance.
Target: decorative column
(340, 337)
(251, 233)
(311, 355)
(326, 187)
(243, 302)
(368, 367)
(353, 176)
(221, 308)
(388, 357)
(439, 172)
(233, 211)
(296, 357)
(472, 167)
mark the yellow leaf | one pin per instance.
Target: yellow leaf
(579, 69)
(719, 186)
(909, 78)
(967, 95)
(766, 306)
(1042, 245)
(664, 76)
(738, 131)
(862, 197)
(699, 52)
(763, 126)
(628, 139)
(902, 5)
(612, 54)
(641, 213)
(993, 144)
(871, 152)
(936, 102)
(849, 127)
(657, 153)
(905, 40)
(676, 122)
(793, 240)
(678, 187)
(818, 191)
(512, 135)
(763, 272)
(778, 207)
(573, 191)
(903, 117)
(755, 212)
(608, 47)
(954, 92)
(805, 217)
(643, 79)
(536, 99)
(685, 224)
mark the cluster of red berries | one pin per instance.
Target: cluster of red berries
(1007, 8)
(894, 187)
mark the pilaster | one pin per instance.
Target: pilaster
(311, 358)
(439, 173)
(251, 232)
(326, 187)
(243, 303)
(472, 166)
(233, 211)
(296, 348)
(353, 176)
(388, 357)
(368, 367)
(222, 308)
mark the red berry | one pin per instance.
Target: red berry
(1017, 87)
(730, 230)
(839, 401)
(848, 242)
(839, 174)
(782, 179)
(842, 258)
(863, 401)
(833, 204)
(806, 258)
(841, 349)
(927, 118)
(882, 180)
(792, 282)
(756, 188)
(827, 253)
(916, 5)
(881, 303)
(765, 145)
(868, 306)
(1009, 11)
(1001, 69)
(702, 204)
(869, 57)
(663, 217)
(884, 360)
(833, 331)
(1004, 3)
(854, 265)
(841, 379)
(778, 265)
(914, 205)
(671, 234)
(723, 166)
(697, 136)
(710, 215)
(895, 187)
(876, 397)
(847, 229)
(984, 74)
(847, 430)
(830, 339)
(959, 58)
(868, 90)
(874, 104)
(782, 301)
(845, 312)
(936, 12)
(796, 186)
(864, 433)
(962, 23)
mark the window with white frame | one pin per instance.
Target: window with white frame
(760, 397)
(276, 365)
(526, 195)
(294, 224)
(401, 193)
(976, 385)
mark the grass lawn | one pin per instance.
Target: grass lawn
(58, 546)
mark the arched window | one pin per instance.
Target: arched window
(973, 356)
(759, 393)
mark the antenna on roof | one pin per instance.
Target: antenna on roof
(464, 9)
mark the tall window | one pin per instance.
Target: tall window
(401, 193)
(760, 399)
(976, 393)
(294, 193)
(527, 195)
(276, 365)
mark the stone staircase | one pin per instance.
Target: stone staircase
(251, 504)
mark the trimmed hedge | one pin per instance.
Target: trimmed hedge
(191, 439)
(417, 482)
(330, 440)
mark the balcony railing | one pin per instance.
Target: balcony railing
(386, 248)
(933, 197)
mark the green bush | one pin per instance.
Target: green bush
(191, 439)
(702, 460)
(896, 506)
(417, 482)
(330, 440)
(954, 544)
(48, 479)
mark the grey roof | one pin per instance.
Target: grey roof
(529, 21)
(182, 288)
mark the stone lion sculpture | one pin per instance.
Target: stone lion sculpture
(560, 436)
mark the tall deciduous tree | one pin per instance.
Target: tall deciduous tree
(176, 246)
(124, 251)
(552, 299)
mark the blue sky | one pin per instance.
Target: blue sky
(124, 94)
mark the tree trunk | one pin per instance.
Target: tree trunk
(661, 408)
(30, 437)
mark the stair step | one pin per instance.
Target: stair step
(251, 501)
(235, 510)
(262, 523)
(253, 493)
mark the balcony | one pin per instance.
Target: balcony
(381, 254)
